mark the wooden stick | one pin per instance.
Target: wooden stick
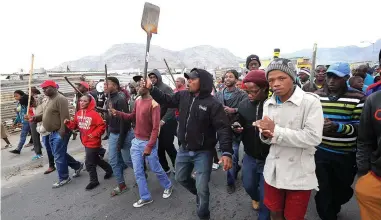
(29, 85)
(312, 78)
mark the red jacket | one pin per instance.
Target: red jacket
(89, 122)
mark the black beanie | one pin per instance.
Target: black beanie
(250, 58)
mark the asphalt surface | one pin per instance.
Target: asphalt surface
(28, 195)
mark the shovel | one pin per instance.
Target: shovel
(150, 21)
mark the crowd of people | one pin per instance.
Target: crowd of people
(299, 134)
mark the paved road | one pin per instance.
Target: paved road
(28, 195)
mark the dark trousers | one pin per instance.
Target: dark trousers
(92, 160)
(36, 138)
(166, 138)
(335, 173)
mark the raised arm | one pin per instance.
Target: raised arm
(170, 101)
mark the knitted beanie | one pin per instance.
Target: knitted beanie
(258, 77)
(306, 71)
(250, 58)
(284, 65)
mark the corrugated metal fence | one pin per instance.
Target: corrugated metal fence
(8, 104)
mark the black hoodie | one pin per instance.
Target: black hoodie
(200, 117)
(369, 136)
(166, 113)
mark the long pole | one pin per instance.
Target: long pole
(313, 66)
(170, 72)
(149, 36)
(29, 84)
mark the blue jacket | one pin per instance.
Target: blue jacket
(20, 114)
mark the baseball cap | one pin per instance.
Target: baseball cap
(340, 69)
(48, 83)
(84, 84)
(137, 78)
(192, 75)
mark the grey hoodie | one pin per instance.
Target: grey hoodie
(166, 113)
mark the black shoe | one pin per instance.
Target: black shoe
(105, 138)
(91, 186)
(15, 151)
(108, 176)
(74, 136)
(230, 189)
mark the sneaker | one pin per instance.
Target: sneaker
(38, 156)
(91, 186)
(230, 189)
(15, 151)
(61, 183)
(168, 192)
(108, 176)
(215, 166)
(78, 172)
(142, 202)
(8, 146)
(255, 204)
(49, 170)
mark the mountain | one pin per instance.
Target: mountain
(344, 54)
(130, 55)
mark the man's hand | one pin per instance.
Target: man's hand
(146, 83)
(229, 110)
(330, 126)
(62, 134)
(227, 162)
(27, 117)
(147, 151)
(265, 124)
(238, 130)
(112, 111)
(266, 133)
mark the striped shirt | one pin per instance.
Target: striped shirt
(345, 111)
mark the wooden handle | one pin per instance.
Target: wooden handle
(29, 85)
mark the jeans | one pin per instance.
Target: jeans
(138, 160)
(35, 138)
(61, 157)
(201, 161)
(335, 173)
(253, 182)
(119, 160)
(24, 133)
(45, 140)
(233, 172)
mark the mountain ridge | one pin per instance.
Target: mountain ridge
(131, 56)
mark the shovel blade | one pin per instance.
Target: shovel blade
(150, 18)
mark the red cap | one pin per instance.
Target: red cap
(48, 83)
(84, 84)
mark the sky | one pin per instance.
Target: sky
(59, 31)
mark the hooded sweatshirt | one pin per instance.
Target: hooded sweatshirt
(201, 116)
(369, 136)
(166, 113)
(89, 122)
